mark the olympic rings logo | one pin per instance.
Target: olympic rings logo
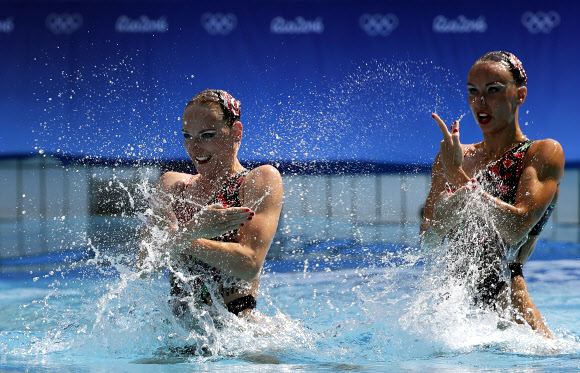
(540, 22)
(64, 23)
(219, 23)
(378, 24)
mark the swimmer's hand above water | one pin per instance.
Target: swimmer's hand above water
(451, 153)
(215, 220)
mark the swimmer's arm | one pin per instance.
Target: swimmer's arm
(262, 191)
(543, 169)
(525, 308)
(437, 186)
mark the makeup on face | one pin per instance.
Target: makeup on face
(204, 135)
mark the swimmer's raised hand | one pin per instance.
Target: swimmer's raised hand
(215, 220)
(451, 152)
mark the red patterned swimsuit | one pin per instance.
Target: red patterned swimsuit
(203, 273)
(503, 176)
(500, 179)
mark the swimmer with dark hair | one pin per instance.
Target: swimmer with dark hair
(221, 220)
(516, 178)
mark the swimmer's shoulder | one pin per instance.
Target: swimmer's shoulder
(547, 148)
(263, 180)
(546, 155)
(265, 174)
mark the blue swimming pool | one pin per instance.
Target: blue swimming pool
(339, 307)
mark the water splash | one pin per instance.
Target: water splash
(446, 312)
(394, 306)
(342, 120)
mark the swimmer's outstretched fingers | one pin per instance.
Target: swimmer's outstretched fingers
(442, 127)
(449, 137)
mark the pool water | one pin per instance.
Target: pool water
(360, 310)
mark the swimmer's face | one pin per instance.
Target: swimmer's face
(493, 95)
(210, 142)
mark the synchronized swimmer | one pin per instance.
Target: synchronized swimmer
(518, 181)
(222, 219)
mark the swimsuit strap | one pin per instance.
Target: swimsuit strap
(541, 224)
(516, 269)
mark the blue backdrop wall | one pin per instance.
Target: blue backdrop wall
(318, 80)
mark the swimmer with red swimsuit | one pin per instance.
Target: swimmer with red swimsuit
(222, 219)
(516, 177)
